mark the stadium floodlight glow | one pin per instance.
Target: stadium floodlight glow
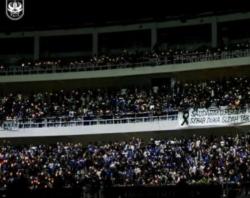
(14, 9)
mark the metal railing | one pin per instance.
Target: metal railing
(69, 122)
(160, 60)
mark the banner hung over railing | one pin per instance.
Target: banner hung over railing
(213, 117)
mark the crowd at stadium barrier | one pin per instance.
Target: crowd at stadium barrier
(231, 93)
(194, 160)
(157, 56)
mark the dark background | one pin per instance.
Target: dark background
(46, 14)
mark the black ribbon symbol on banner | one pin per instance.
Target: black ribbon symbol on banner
(185, 118)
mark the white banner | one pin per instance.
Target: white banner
(213, 117)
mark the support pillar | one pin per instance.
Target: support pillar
(214, 32)
(95, 43)
(153, 37)
(36, 47)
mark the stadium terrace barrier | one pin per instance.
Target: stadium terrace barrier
(65, 126)
(170, 191)
(61, 127)
(200, 117)
(164, 60)
(69, 122)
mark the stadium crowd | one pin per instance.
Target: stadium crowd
(157, 56)
(232, 93)
(197, 159)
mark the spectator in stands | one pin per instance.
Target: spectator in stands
(157, 162)
(129, 59)
(232, 93)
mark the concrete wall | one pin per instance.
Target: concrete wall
(105, 129)
(91, 130)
